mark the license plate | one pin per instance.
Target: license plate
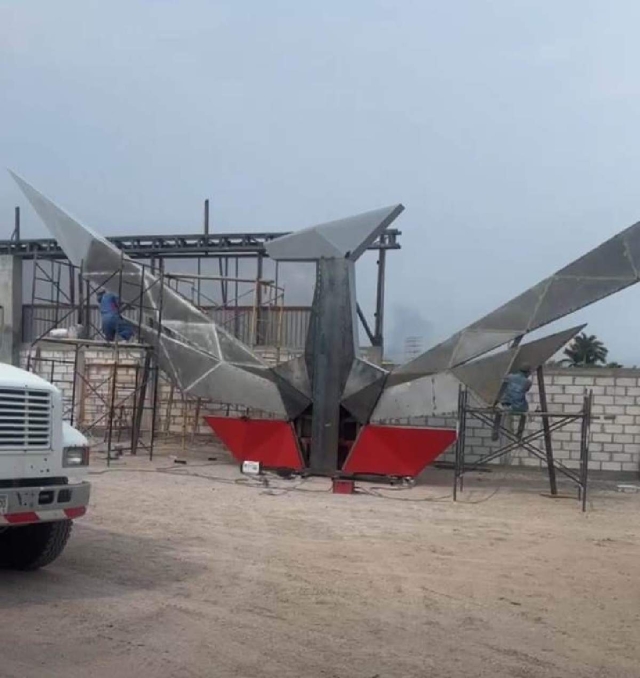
(4, 503)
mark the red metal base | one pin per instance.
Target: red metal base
(397, 450)
(271, 442)
(343, 486)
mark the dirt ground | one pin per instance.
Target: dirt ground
(194, 572)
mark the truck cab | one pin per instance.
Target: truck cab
(43, 466)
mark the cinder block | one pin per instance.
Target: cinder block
(602, 438)
(562, 399)
(624, 419)
(573, 446)
(613, 428)
(631, 448)
(561, 454)
(603, 400)
(600, 456)
(597, 390)
(622, 438)
(633, 391)
(605, 381)
(597, 409)
(612, 447)
(626, 381)
(592, 465)
(621, 457)
(631, 466)
(583, 381)
(611, 466)
(575, 390)
(616, 390)
(633, 409)
(571, 409)
(594, 447)
(563, 381)
(552, 390)
(561, 435)
(624, 400)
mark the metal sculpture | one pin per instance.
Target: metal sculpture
(330, 411)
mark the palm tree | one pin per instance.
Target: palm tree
(586, 350)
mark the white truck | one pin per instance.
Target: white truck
(43, 463)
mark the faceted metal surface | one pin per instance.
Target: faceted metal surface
(363, 388)
(203, 359)
(74, 239)
(433, 395)
(344, 238)
(608, 268)
(485, 376)
(537, 353)
(295, 372)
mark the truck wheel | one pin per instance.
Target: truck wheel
(32, 546)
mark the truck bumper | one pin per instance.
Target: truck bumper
(24, 505)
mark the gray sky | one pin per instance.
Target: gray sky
(507, 128)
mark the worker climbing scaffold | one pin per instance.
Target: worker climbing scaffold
(112, 321)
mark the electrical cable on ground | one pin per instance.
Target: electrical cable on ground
(263, 483)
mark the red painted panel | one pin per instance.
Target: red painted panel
(19, 518)
(397, 450)
(269, 441)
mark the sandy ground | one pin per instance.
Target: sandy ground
(175, 575)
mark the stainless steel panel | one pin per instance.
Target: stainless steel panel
(538, 352)
(347, 237)
(189, 346)
(363, 388)
(295, 372)
(434, 395)
(485, 376)
(566, 295)
(606, 269)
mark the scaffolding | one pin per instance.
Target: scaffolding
(116, 402)
(545, 423)
(111, 390)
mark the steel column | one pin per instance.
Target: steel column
(206, 216)
(379, 314)
(548, 445)
(329, 354)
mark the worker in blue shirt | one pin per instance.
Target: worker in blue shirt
(513, 398)
(112, 322)
(516, 387)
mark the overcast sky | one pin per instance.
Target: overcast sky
(508, 128)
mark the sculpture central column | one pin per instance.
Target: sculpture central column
(329, 353)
